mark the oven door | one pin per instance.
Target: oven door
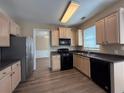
(66, 61)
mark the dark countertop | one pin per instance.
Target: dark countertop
(54, 53)
(100, 56)
(7, 62)
(104, 57)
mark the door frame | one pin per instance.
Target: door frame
(34, 39)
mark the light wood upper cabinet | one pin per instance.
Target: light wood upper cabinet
(4, 31)
(79, 37)
(54, 37)
(73, 38)
(110, 29)
(100, 32)
(64, 32)
(14, 29)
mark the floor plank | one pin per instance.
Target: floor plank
(45, 81)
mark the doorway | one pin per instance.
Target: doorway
(41, 48)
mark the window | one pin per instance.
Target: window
(90, 38)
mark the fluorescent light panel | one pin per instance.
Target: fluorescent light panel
(73, 6)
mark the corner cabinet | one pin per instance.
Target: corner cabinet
(54, 37)
(110, 30)
(4, 31)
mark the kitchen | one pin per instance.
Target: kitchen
(86, 51)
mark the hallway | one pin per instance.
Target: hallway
(69, 81)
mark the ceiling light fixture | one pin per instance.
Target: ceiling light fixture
(71, 9)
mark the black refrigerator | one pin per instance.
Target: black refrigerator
(21, 48)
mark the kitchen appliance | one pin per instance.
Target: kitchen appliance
(21, 48)
(66, 59)
(100, 74)
(64, 42)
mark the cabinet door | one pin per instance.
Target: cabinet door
(111, 28)
(73, 38)
(74, 60)
(16, 75)
(56, 63)
(62, 32)
(82, 66)
(5, 84)
(80, 38)
(55, 37)
(12, 28)
(100, 32)
(86, 62)
(4, 31)
(18, 31)
(78, 62)
(68, 33)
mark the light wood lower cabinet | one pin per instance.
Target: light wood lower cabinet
(82, 64)
(5, 84)
(10, 78)
(5, 80)
(56, 66)
(86, 63)
(16, 75)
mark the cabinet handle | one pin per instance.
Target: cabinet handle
(11, 74)
(106, 42)
(4, 73)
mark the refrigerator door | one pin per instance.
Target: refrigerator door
(29, 56)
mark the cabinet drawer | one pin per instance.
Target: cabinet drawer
(16, 65)
(5, 72)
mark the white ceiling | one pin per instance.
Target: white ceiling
(50, 11)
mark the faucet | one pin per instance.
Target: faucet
(88, 51)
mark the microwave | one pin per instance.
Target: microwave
(65, 41)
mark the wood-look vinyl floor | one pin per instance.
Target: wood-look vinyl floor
(45, 81)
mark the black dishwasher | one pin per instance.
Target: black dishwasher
(100, 74)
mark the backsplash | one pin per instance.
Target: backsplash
(113, 49)
(69, 47)
(108, 49)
